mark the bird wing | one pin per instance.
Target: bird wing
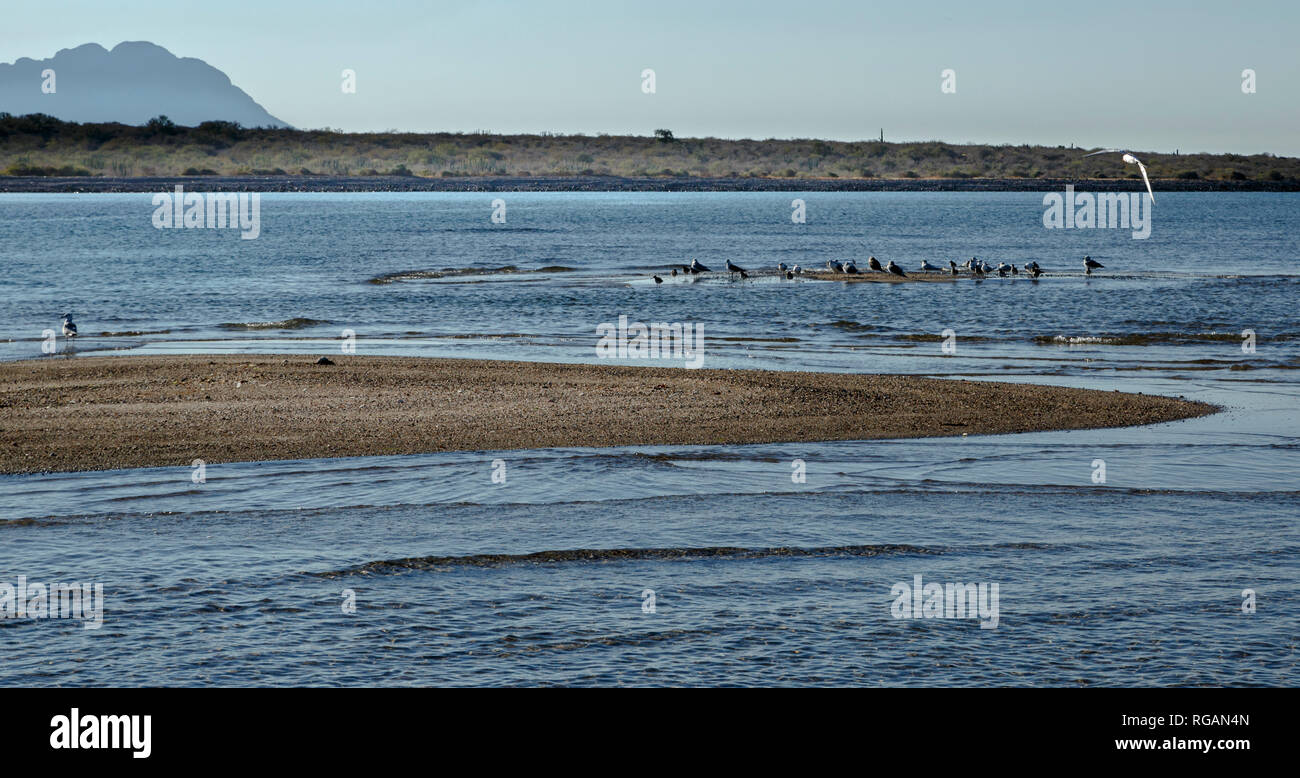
(1105, 151)
(1143, 168)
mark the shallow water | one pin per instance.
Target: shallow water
(757, 579)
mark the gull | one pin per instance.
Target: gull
(798, 270)
(732, 267)
(781, 266)
(696, 267)
(851, 268)
(1033, 269)
(874, 264)
(927, 267)
(834, 267)
(952, 267)
(1002, 269)
(1090, 264)
(895, 269)
(976, 267)
(1132, 160)
(789, 275)
(674, 272)
(1014, 271)
(69, 329)
(657, 279)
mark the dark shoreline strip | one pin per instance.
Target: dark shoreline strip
(618, 555)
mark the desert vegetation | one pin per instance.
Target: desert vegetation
(39, 145)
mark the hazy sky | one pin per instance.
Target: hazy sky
(1149, 75)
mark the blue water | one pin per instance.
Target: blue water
(757, 579)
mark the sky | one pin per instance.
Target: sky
(1150, 76)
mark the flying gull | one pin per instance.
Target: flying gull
(1132, 160)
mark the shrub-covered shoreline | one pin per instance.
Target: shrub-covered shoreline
(53, 184)
(38, 146)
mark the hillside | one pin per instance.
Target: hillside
(131, 84)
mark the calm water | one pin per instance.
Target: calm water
(757, 579)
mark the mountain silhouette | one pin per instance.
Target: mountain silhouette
(131, 84)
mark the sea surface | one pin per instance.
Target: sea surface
(1159, 555)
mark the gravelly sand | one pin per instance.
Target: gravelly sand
(873, 277)
(96, 413)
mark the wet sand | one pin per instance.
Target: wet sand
(97, 413)
(875, 277)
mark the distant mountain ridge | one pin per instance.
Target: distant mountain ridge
(131, 84)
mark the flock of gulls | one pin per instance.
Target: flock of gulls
(976, 267)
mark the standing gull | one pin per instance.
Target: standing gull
(851, 268)
(926, 267)
(834, 267)
(895, 269)
(732, 267)
(696, 267)
(1090, 264)
(69, 329)
(874, 264)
